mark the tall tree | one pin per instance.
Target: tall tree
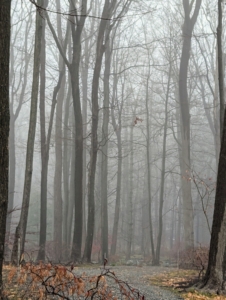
(187, 29)
(163, 170)
(104, 151)
(130, 205)
(5, 6)
(118, 132)
(77, 24)
(102, 38)
(14, 113)
(215, 274)
(45, 140)
(58, 201)
(106, 14)
(22, 226)
(220, 63)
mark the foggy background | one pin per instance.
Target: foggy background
(144, 131)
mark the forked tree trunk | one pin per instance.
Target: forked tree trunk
(4, 123)
(45, 147)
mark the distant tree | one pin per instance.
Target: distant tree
(22, 226)
(5, 6)
(187, 29)
(94, 143)
(118, 131)
(17, 87)
(77, 25)
(45, 139)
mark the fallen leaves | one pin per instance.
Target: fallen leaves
(47, 281)
(172, 279)
(178, 280)
(198, 296)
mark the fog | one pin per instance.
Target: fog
(127, 134)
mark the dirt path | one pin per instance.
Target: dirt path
(137, 277)
(118, 280)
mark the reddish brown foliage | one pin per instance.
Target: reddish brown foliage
(46, 280)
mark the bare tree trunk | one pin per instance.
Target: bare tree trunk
(220, 63)
(58, 201)
(22, 226)
(162, 186)
(118, 130)
(44, 159)
(12, 170)
(104, 153)
(78, 168)
(187, 29)
(13, 118)
(66, 169)
(94, 142)
(149, 167)
(74, 68)
(68, 155)
(72, 190)
(45, 147)
(125, 190)
(129, 208)
(214, 277)
(84, 117)
(4, 121)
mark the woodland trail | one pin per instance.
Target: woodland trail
(139, 278)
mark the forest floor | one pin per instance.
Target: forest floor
(155, 283)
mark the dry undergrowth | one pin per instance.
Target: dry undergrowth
(48, 281)
(179, 281)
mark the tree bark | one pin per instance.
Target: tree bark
(220, 63)
(214, 277)
(44, 159)
(5, 6)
